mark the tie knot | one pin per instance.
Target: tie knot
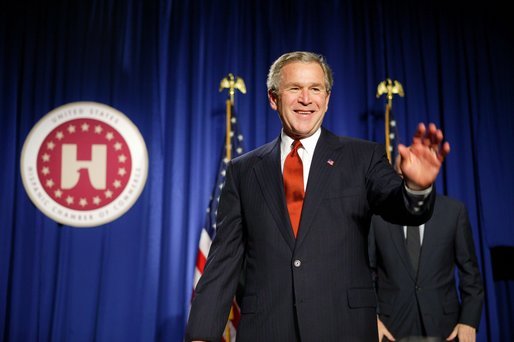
(296, 145)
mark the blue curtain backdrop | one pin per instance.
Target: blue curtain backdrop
(160, 63)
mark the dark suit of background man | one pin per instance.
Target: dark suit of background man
(425, 302)
(315, 286)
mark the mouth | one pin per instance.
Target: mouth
(303, 112)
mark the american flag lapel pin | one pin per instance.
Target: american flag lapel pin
(330, 162)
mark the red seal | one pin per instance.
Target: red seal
(84, 164)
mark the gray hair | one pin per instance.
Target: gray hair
(298, 56)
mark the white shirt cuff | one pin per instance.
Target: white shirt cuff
(423, 193)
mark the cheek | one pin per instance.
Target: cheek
(324, 106)
(324, 103)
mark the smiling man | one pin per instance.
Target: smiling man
(294, 216)
(302, 100)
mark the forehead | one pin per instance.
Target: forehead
(302, 73)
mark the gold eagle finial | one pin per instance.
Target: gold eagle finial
(390, 87)
(232, 83)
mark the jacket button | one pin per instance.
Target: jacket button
(297, 263)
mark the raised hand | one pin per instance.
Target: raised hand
(422, 160)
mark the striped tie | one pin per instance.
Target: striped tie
(413, 245)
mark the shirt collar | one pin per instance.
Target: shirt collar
(308, 144)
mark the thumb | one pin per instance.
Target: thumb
(389, 335)
(453, 334)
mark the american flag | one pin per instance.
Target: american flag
(390, 88)
(391, 133)
(209, 227)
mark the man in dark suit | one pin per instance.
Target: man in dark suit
(303, 250)
(416, 290)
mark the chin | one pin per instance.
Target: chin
(302, 134)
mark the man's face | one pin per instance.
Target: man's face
(301, 99)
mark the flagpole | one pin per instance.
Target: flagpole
(228, 146)
(387, 129)
(390, 88)
(231, 84)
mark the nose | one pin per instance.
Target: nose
(304, 97)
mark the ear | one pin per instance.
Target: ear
(273, 100)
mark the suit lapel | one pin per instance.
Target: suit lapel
(429, 238)
(319, 179)
(270, 180)
(398, 237)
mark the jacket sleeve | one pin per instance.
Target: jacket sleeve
(217, 286)
(388, 196)
(470, 283)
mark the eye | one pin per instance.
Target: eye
(294, 89)
(316, 90)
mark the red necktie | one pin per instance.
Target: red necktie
(293, 185)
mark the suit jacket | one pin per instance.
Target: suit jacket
(447, 242)
(316, 287)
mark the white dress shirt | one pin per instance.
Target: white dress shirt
(421, 232)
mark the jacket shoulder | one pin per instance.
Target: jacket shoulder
(449, 202)
(256, 153)
(350, 141)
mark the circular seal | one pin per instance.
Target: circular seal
(84, 164)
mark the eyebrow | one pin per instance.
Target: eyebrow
(316, 84)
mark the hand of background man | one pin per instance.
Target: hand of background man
(383, 332)
(464, 332)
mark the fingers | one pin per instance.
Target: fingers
(419, 134)
(465, 333)
(444, 151)
(404, 153)
(402, 149)
(383, 332)
(427, 137)
(453, 334)
(439, 148)
(389, 335)
(432, 137)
